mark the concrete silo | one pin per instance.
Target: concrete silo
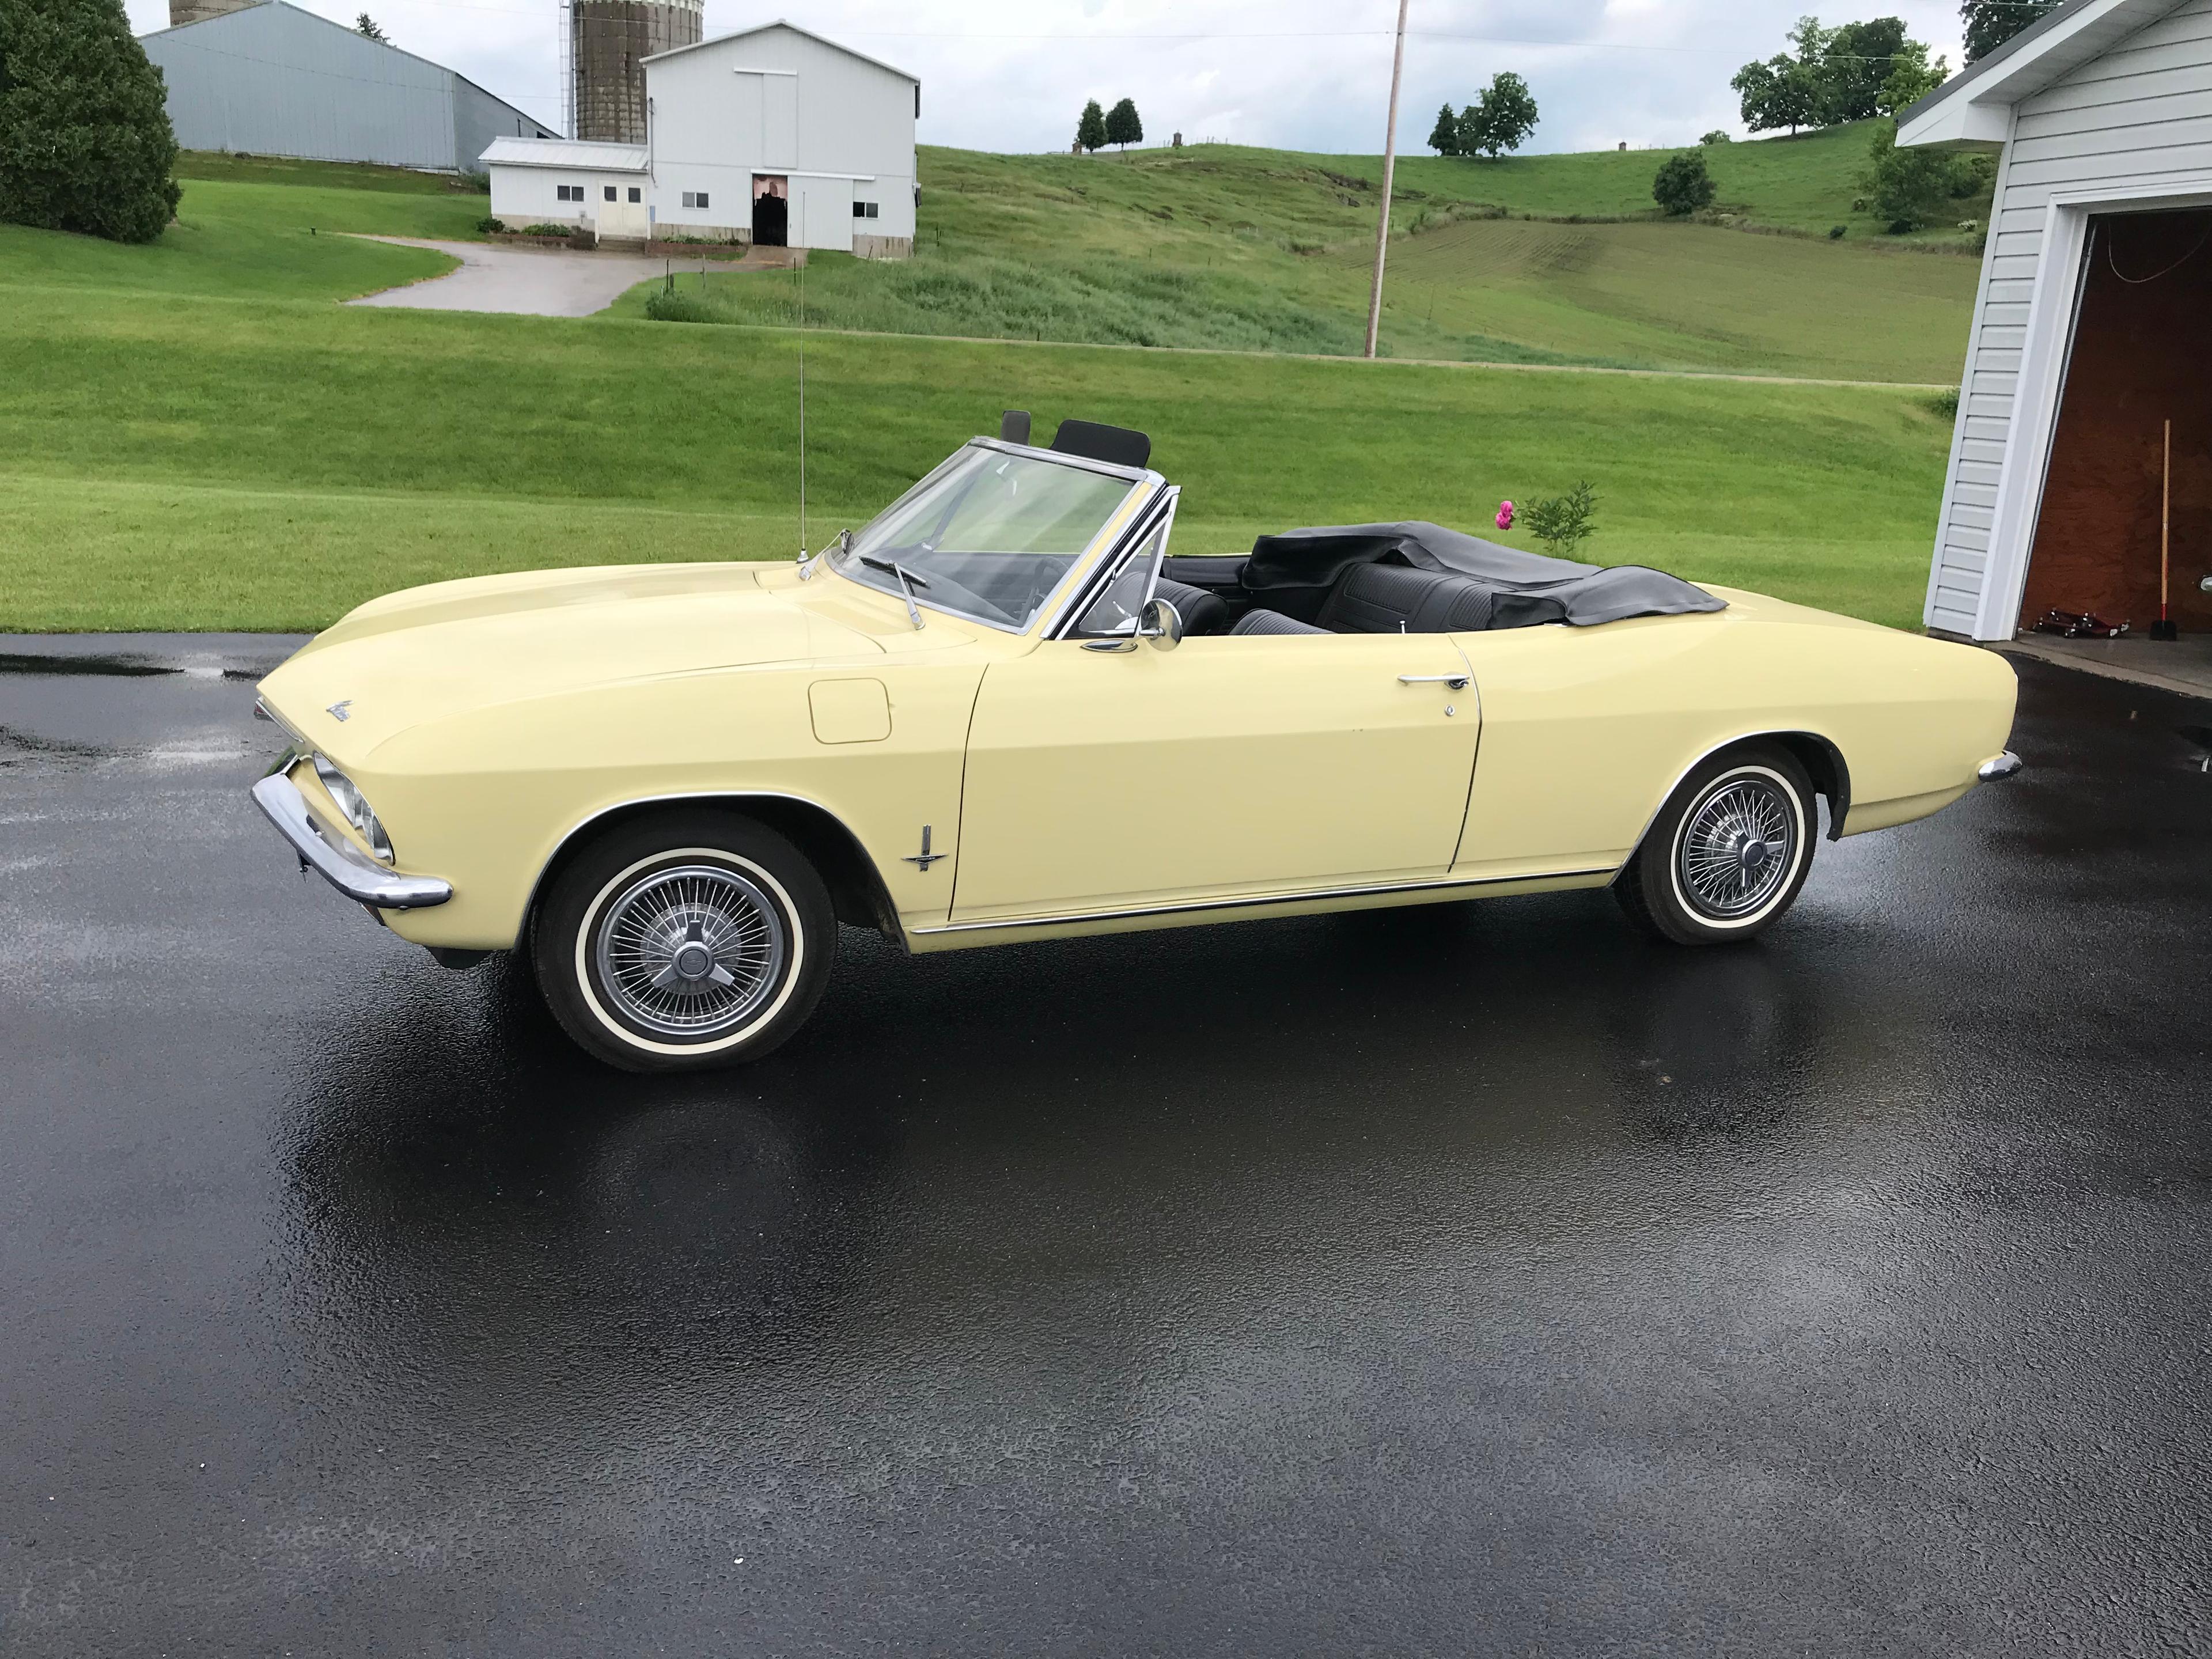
(608, 41)
(182, 12)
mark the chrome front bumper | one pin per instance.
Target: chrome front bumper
(1999, 766)
(336, 860)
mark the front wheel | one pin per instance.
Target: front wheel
(688, 941)
(1727, 852)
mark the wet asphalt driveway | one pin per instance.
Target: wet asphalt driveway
(1470, 1280)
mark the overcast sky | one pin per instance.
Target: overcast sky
(1011, 75)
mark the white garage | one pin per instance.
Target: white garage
(2080, 470)
(772, 137)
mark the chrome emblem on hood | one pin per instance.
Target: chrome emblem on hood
(337, 710)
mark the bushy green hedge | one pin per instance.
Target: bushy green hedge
(85, 143)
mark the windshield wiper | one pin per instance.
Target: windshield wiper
(907, 579)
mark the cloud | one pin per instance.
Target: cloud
(1298, 74)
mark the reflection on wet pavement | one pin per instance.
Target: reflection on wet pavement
(1473, 1279)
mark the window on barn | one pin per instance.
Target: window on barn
(610, 192)
(568, 192)
(695, 198)
(636, 194)
(864, 210)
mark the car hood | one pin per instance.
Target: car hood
(458, 646)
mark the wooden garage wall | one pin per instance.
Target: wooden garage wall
(2136, 117)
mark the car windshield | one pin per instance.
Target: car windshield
(988, 535)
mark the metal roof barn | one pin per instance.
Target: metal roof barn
(273, 80)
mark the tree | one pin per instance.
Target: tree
(1837, 74)
(1091, 130)
(1912, 76)
(1907, 188)
(1778, 92)
(1501, 115)
(368, 28)
(1991, 23)
(1444, 138)
(1683, 186)
(1122, 126)
(85, 143)
(1854, 62)
(1715, 137)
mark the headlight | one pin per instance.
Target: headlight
(356, 806)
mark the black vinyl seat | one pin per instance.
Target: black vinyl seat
(1394, 598)
(1272, 621)
(1201, 612)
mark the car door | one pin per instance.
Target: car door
(1226, 766)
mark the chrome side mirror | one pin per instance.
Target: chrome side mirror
(1161, 624)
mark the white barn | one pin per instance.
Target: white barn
(274, 80)
(772, 135)
(2082, 460)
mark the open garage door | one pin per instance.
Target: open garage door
(2140, 358)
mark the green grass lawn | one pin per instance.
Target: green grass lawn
(1219, 246)
(219, 465)
(193, 435)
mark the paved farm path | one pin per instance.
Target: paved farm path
(536, 281)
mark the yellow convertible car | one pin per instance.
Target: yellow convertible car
(1007, 710)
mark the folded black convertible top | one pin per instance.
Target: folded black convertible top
(1289, 572)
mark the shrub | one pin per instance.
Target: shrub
(1909, 187)
(476, 184)
(489, 225)
(1563, 523)
(1945, 404)
(1715, 137)
(1682, 184)
(85, 143)
(1835, 232)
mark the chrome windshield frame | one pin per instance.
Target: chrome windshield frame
(1144, 487)
(1159, 514)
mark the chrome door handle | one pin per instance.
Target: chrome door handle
(1457, 682)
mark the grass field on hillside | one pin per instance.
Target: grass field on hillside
(1242, 249)
(1808, 182)
(205, 465)
(235, 240)
(194, 436)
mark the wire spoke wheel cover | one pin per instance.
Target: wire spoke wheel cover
(690, 952)
(1738, 847)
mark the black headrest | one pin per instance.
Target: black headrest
(1014, 426)
(1114, 445)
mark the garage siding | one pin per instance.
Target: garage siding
(2140, 114)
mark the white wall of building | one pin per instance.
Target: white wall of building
(839, 127)
(522, 195)
(2131, 127)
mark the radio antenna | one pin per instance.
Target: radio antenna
(801, 257)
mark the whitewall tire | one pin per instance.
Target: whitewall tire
(692, 939)
(1729, 853)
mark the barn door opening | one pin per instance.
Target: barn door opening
(771, 211)
(2142, 358)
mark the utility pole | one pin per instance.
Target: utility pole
(1389, 167)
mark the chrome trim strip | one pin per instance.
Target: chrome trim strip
(1306, 896)
(336, 860)
(1999, 766)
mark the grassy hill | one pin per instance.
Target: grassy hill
(1249, 249)
(193, 435)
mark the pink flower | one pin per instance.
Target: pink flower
(1505, 515)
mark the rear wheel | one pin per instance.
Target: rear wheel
(1729, 852)
(689, 941)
